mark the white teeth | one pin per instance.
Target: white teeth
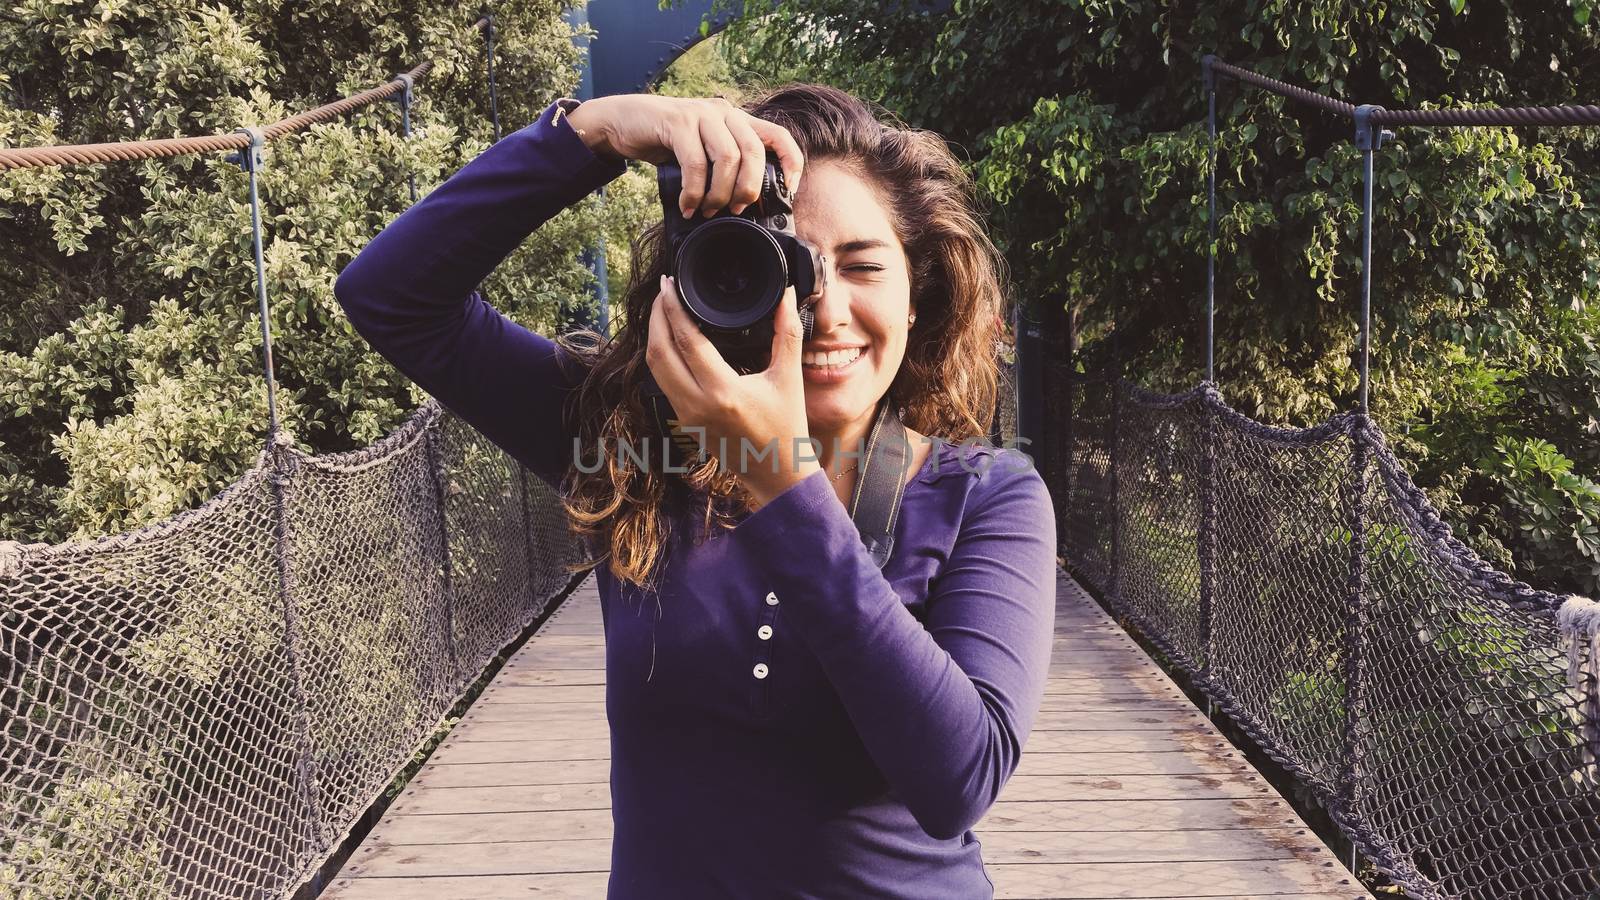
(832, 358)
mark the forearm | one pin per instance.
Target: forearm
(411, 291)
(944, 706)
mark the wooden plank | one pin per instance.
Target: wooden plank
(515, 673)
(563, 657)
(534, 714)
(557, 639)
(1135, 787)
(527, 798)
(1121, 719)
(1112, 687)
(1167, 762)
(1059, 694)
(579, 886)
(1168, 878)
(566, 771)
(595, 628)
(1071, 816)
(1261, 897)
(589, 729)
(1146, 846)
(593, 694)
(485, 858)
(469, 752)
(471, 828)
(1129, 717)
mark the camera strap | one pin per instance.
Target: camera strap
(875, 504)
(880, 486)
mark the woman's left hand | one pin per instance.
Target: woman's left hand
(764, 411)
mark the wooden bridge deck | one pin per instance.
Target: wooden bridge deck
(1125, 790)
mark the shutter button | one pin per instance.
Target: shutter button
(760, 670)
(764, 631)
(772, 599)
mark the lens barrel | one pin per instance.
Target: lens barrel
(731, 273)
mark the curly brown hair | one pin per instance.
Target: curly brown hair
(947, 382)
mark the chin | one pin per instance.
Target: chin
(828, 409)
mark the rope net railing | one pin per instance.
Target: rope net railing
(205, 706)
(1447, 716)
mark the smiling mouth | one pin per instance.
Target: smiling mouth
(833, 359)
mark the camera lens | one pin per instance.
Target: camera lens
(732, 272)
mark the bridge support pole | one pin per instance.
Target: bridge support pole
(1369, 137)
(1209, 78)
(488, 52)
(1206, 544)
(280, 455)
(404, 99)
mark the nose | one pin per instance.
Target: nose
(832, 308)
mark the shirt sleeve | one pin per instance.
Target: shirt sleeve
(944, 707)
(411, 292)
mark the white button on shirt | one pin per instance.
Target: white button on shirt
(760, 670)
(764, 632)
(772, 599)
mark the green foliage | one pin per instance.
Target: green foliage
(130, 374)
(1559, 509)
(1084, 123)
(103, 834)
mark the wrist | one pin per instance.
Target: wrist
(588, 121)
(771, 485)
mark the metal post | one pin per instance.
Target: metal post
(1206, 543)
(250, 160)
(1209, 78)
(1030, 399)
(1369, 138)
(488, 46)
(595, 256)
(1113, 453)
(404, 99)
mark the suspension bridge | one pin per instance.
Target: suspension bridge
(216, 705)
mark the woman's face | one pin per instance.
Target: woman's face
(860, 333)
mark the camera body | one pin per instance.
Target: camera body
(731, 270)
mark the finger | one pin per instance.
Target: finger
(691, 156)
(787, 336)
(722, 151)
(661, 354)
(782, 143)
(752, 164)
(703, 359)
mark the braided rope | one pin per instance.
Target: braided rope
(1448, 118)
(1284, 88)
(82, 154)
(1510, 115)
(1420, 514)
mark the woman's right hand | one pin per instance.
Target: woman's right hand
(697, 133)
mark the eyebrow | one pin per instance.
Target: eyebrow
(859, 244)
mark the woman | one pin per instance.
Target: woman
(787, 719)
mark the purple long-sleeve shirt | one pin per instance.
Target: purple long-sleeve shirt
(787, 720)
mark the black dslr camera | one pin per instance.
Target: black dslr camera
(732, 270)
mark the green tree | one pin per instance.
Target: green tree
(1085, 125)
(130, 376)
